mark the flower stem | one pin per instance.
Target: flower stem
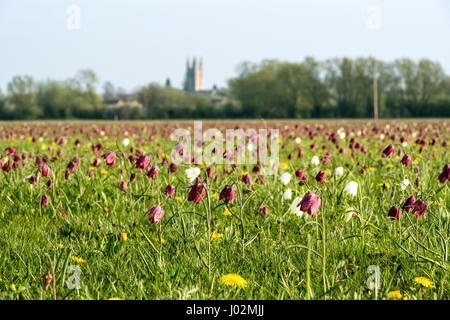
(323, 253)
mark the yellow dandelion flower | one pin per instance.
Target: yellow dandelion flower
(115, 298)
(384, 185)
(389, 165)
(29, 138)
(43, 147)
(78, 260)
(217, 236)
(397, 295)
(424, 281)
(179, 199)
(371, 168)
(123, 236)
(327, 181)
(61, 246)
(215, 196)
(233, 280)
(104, 172)
(227, 212)
(227, 229)
(283, 165)
(243, 173)
(92, 168)
(328, 172)
(219, 166)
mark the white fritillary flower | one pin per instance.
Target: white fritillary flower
(285, 178)
(404, 184)
(192, 173)
(125, 142)
(315, 160)
(351, 188)
(287, 195)
(339, 172)
(294, 208)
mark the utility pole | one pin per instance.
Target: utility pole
(375, 91)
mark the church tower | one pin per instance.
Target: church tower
(194, 76)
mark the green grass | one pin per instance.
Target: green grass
(272, 253)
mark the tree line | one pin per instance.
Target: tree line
(342, 87)
(334, 88)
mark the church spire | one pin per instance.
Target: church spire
(194, 75)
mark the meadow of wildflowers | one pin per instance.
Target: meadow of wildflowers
(98, 210)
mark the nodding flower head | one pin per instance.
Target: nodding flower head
(9, 151)
(209, 172)
(143, 162)
(173, 167)
(389, 151)
(445, 174)
(6, 167)
(97, 147)
(406, 159)
(420, 208)
(310, 203)
(123, 185)
(247, 179)
(170, 189)
(409, 204)
(44, 200)
(197, 193)
(351, 188)
(321, 176)
(153, 172)
(228, 194)
(264, 211)
(110, 158)
(97, 163)
(63, 142)
(299, 174)
(155, 214)
(395, 213)
(179, 148)
(32, 180)
(45, 171)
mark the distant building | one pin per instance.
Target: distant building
(193, 83)
(194, 76)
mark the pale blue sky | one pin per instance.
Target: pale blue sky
(135, 42)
